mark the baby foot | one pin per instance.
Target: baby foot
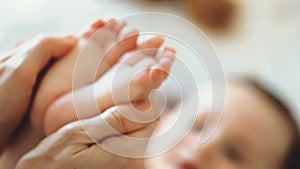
(94, 46)
(111, 89)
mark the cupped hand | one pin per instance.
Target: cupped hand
(19, 70)
(74, 145)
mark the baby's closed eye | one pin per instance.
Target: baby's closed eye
(233, 154)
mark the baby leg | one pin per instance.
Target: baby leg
(93, 45)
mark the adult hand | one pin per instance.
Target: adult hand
(71, 147)
(18, 73)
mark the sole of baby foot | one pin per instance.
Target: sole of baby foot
(153, 76)
(129, 83)
(149, 47)
(116, 38)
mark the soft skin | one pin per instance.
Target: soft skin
(252, 134)
(76, 149)
(19, 69)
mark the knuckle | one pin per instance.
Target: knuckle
(74, 133)
(119, 120)
(71, 130)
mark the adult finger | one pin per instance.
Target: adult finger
(120, 133)
(41, 49)
(114, 121)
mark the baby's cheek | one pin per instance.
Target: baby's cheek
(160, 161)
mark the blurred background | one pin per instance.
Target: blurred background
(260, 38)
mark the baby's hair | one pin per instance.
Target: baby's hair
(292, 160)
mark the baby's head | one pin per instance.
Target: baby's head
(257, 131)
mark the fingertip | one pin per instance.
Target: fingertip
(61, 45)
(70, 39)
